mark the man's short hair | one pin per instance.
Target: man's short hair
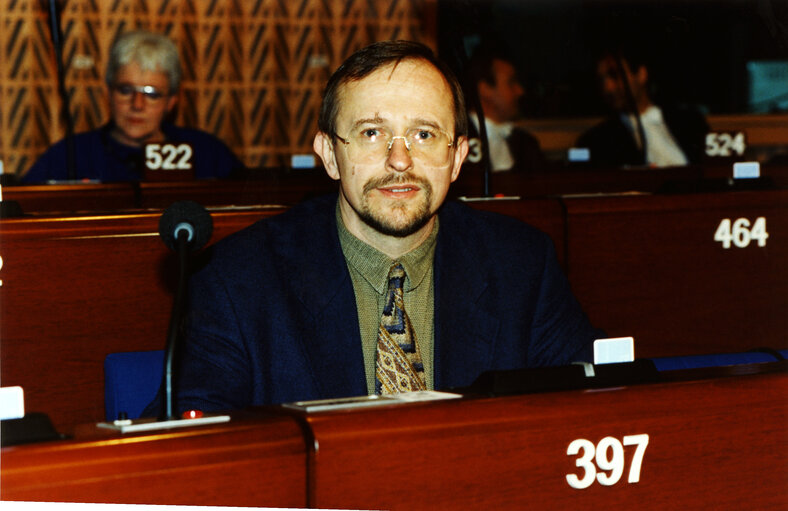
(152, 52)
(480, 65)
(367, 60)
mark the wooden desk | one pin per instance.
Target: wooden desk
(75, 289)
(262, 187)
(649, 266)
(712, 444)
(587, 180)
(242, 463)
(572, 180)
(72, 198)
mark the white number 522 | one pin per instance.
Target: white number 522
(168, 156)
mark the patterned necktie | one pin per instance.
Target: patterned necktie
(399, 367)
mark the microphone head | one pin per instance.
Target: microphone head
(186, 217)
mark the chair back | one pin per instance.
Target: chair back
(131, 380)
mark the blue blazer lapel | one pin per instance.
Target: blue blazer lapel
(323, 285)
(465, 334)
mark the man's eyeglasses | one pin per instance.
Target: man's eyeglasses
(125, 92)
(373, 144)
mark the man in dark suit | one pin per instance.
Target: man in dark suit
(384, 288)
(510, 147)
(674, 135)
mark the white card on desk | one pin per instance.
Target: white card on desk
(12, 403)
(746, 170)
(614, 350)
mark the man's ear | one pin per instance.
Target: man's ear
(486, 90)
(459, 156)
(324, 147)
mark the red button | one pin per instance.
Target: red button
(192, 414)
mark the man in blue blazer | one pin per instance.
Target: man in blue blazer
(290, 308)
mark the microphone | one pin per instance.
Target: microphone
(188, 219)
(184, 227)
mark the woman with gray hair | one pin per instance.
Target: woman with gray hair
(143, 78)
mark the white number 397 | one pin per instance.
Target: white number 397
(605, 461)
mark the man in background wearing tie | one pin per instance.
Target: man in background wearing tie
(383, 288)
(674, 135)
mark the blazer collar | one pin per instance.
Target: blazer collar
(322, 284)
(464, 333)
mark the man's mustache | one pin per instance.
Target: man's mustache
(397, 179)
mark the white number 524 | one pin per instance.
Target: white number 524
(605, 461)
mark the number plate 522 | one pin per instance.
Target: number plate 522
(168, 156)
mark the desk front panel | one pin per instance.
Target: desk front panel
(243, 463)
(713, 444)
(75, 289)
(659, 268)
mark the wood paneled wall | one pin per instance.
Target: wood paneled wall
(254, 70)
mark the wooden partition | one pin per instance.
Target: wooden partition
(259, 188)
(697, 441)
(706, 444)
(77, 288)
(288, 187)
(243, 463)
(586, 180)
(683, 274)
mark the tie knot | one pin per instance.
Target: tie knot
(397, 272)
(396, 279)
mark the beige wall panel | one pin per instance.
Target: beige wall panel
(254, 70)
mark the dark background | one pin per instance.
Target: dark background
(698, 49)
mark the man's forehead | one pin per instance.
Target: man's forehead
(395, 74)
(395, 90)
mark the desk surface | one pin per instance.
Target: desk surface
(714, 443)
(290, 187)
(243, 463)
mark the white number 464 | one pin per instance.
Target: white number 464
(740, 233)
(605, 461)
